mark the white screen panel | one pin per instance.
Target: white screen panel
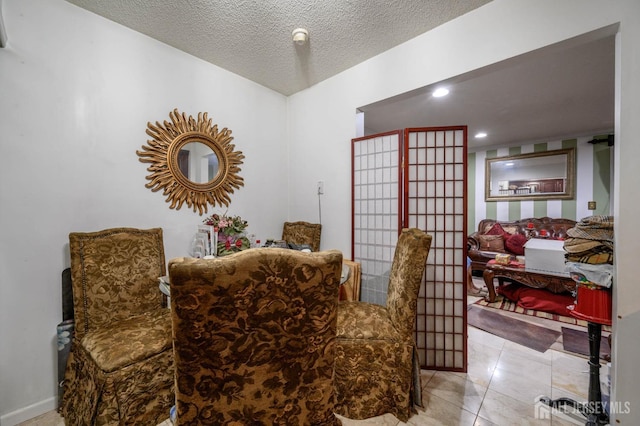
(376, 218)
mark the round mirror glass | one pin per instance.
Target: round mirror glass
(198, 162)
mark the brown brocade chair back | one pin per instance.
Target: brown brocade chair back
(407, 269)
(115, 275)
(376, 360)
(120, 367)
(254, 337)
(302, 233)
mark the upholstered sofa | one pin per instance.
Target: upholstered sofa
(495, 236)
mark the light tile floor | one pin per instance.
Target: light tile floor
(500, 387)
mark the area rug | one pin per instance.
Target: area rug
(577, 341)
(505, 304)
(521, 332)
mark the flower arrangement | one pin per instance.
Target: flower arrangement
(230, 231)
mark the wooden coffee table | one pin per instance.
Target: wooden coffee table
(553, 283)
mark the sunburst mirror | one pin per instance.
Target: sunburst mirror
(192, 161)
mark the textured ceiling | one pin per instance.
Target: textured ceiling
(253, 38)
(564, 90)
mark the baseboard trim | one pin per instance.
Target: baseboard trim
(34, 410)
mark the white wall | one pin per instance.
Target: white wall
(322, 123)
(76, 93)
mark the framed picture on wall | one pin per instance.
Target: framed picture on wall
(548, 175)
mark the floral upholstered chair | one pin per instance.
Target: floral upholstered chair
(254, 337)
(302, 233)
(120, 367)
(377, 370)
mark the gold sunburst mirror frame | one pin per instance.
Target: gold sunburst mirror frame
(167, 169)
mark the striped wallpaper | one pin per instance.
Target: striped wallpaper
(593, 183)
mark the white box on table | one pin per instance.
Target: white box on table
(545, 257)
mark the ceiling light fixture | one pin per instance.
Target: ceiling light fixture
(300, 36)
(440, 92)
(480, 135)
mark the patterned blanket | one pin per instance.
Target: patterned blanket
(591, 240)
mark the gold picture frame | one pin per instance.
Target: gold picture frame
(216, 179)
(547, 175)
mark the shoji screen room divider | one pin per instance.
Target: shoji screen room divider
(416, 178)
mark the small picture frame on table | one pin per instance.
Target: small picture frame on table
(211, 239)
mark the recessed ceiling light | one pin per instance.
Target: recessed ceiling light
(481, 135)
(438, 93)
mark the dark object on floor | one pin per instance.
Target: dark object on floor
(526, 334)
(577, 341)
(67, 295)
(64, 330)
